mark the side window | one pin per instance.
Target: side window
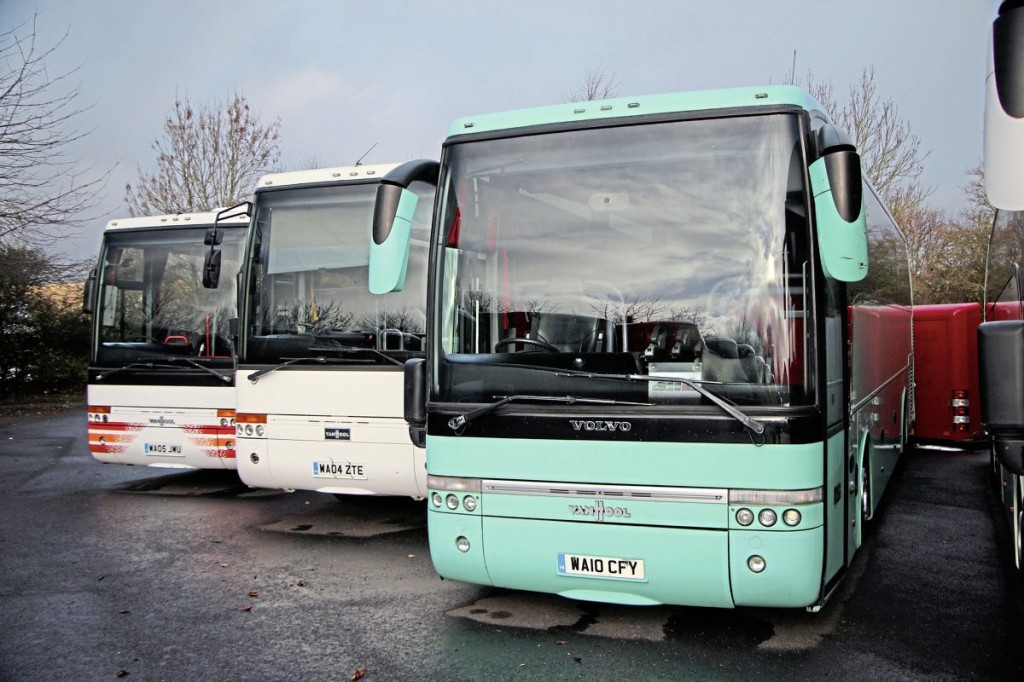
(888, 278)
(1002, 276)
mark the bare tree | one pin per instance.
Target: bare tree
(46, 193)
(890, 151)
(208, 157)
(595, 85)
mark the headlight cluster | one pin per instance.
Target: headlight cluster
(225, 421)
(452, 501)
(249, 429)
(767, 517)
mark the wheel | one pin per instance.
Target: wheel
(527, 342)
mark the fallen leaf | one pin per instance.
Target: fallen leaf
(224, 565)
(411, 556)
(560, 642)
(245, 608)
(123, 611)
(122, 673)
(358, 674)
(577, 659)
(253, 593)
(301, 583)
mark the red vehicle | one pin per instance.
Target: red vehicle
(946, 373)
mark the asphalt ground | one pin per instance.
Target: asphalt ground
(114, 572)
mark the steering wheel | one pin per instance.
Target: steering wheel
(528, 342)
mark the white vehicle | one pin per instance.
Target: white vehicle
(161, 376)
(1001, 336)
(320, 384)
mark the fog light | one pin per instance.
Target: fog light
(756, 563)
(239, 430)
(103, 440)
(469, 502)
(230, 445)
(254, 458)
(767, 517)
(260, 430)
(435, 498)
(744, 517)
(452, 502)
(791, 517)
(462, 542)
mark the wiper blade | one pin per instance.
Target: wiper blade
(209, 370)
(455, 423)
(733, 411)
(255, 376)
(335, 346)
(132, 365)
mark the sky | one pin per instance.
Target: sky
(345, 75)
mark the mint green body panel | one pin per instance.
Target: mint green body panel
(450, 563)
(670, 514)
(636, 106)
(708, 465)
(843, 245)
(695, 553)
(835, 557)
(389, 262)
(793, 564)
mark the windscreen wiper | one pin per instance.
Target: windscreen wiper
(160, 366)
(455, 423)
(335, 346)
(752, 424)
(133, 365)
(255, 376)
(209, 370)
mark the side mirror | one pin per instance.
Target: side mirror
(211, 269)
(1004, 109)
(416, 400)
(1001, 375)
(393, 213)
(392, 233)
(213, 237)
(838, 189)
(89, 290)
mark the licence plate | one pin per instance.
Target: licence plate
(161, 449)
(601, 567)
(339, 470)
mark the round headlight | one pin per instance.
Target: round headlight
(756, 563)
(435, 499)
(462, 542)
(791, 517)
(452, 501)
(254, 458)
(224, 421)
(260, 430)
(248, 429)
(744, 517)
(767, 517)
(469, 502)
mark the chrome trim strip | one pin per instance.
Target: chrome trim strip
(776, 497)
(612, 492)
